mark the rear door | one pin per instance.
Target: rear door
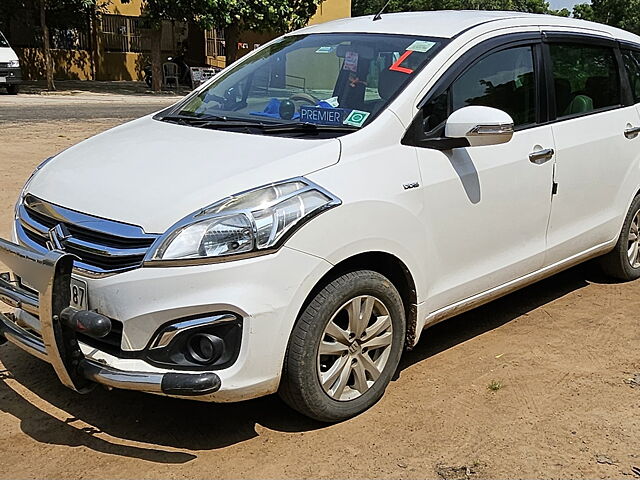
(594, 158)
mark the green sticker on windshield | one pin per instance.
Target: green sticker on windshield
(357, 118)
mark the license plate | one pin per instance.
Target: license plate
(3, 79)
(79, 294)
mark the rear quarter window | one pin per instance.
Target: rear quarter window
(632, 65)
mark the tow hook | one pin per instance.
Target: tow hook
(87, 322)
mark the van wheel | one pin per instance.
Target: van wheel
(345, 347)
(623, 262)
(13, 89)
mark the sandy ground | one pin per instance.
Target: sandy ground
(563, 356)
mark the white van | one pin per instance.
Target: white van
(10, 74)
(295, 223)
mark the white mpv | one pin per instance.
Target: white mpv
(294, 224)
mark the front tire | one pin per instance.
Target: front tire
(623, 262)
(345, 347)
(13, 89)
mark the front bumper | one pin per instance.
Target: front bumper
(11, 75)
(56, 342)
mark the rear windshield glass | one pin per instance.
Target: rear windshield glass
(340, 80)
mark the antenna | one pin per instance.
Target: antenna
(379, 14)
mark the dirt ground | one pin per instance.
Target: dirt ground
(562, 356)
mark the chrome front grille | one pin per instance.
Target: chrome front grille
(103, 246)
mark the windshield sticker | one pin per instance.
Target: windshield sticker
(396, 66)
(351, 62)
(357, 118)
(420, 46)
(323, 116)
(324, 50)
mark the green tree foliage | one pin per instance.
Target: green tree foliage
(61, 14)
(617, 13)
(368, 7)
(262, 16)
(234, 16)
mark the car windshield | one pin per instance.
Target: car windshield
(3, 41)
(323, 81)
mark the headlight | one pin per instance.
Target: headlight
(13, 63)
(256, 221)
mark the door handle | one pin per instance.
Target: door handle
(541, 156)
(632, 132)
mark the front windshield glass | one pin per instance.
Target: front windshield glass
(3, 41)
(338, 80)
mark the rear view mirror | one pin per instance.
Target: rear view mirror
(480, 126)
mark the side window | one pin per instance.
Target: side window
(632, 64)
(585, 78)
(504, 80)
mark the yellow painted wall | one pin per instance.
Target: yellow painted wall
(68, 64)
(122, 66)
(328, 10)
(133, 8)
(331, 10)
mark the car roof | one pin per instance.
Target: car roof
(450, 23)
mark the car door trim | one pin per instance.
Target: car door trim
(487, 296)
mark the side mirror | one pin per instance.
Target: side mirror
(480, 126)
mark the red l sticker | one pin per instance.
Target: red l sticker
(396, 66)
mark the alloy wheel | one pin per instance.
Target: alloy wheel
(633, 248)
(355, 348)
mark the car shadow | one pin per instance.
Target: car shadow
(171, 423)
(493, 315)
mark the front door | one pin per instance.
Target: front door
(487, 208)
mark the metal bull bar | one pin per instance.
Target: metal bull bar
(50, 275)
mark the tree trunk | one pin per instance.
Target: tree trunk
(46, 47)
(231, 38)
(156, 58)
(93, 25)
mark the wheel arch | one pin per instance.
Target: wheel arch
(385, 264)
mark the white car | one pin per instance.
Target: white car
(10, 73)
(294, 224)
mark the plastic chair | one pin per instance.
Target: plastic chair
(170, 72)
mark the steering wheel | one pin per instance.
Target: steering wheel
(304, 97)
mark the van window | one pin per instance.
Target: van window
(3, 41)
(504, 80)
(632, 64)
(585, 78)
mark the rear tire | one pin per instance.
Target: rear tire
(345, 347)
(623, 262)
(13, 89)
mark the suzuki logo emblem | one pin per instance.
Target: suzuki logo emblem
(58, 237)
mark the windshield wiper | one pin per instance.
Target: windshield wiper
(302, 127)
(190, 119)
